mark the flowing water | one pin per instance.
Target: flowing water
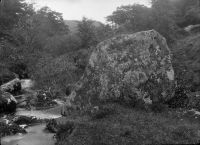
(37, 114)
(36, 135)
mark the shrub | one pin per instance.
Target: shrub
(158, 107)
(65, 130)
(6, 130)
(101, 112)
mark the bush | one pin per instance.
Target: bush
(52, 126)
(186, 62)
(158, 107)
(56, 73)
(101, 112)
(65, 130)
(6, 130)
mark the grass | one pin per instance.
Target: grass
(127, 126)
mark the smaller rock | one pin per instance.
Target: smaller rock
(13, 87)
(23, 126)
(21, 120)
(7, 103)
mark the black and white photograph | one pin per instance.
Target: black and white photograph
(99, 72)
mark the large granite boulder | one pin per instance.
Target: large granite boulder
(129, 67)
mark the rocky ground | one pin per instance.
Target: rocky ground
(17, 94)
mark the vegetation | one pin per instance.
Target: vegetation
(166, 17)
(34, 42)
(125, 126)
(38, 44)
(10, 129)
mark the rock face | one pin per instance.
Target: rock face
(12, 87)
(128, 67)
(7, 103)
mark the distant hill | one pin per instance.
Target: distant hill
(73, 25)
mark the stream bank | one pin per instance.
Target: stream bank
(36, 133)
(34, 108)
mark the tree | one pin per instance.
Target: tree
(163, 13)
(187, 12)
(35, 30)
(86, 33)
(134, 18)
(10, 12)
(131, 18)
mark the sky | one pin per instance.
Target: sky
(92, 9)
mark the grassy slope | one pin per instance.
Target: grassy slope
(127, 126)
(186, 60)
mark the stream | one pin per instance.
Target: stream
(36, 135)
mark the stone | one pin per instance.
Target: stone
(129, 67)
(12, 87)
(27, 120)
(7, 103)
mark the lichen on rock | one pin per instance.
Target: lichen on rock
(128, 67)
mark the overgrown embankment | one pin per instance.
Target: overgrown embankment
(115, 124)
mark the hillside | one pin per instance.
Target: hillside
(122, 124)
(116, 124)
(186, 58)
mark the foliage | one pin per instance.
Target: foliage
(65, 130)
(131, 18)
(86, 33)
(55, 72)
(10, 13)
(165, 16)
(6, 129)
(92, 32)
(187, 12)
(101, 112)
(186, 62)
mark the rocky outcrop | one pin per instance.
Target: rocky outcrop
(7, 103)
(128, 67)
(12, 87)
